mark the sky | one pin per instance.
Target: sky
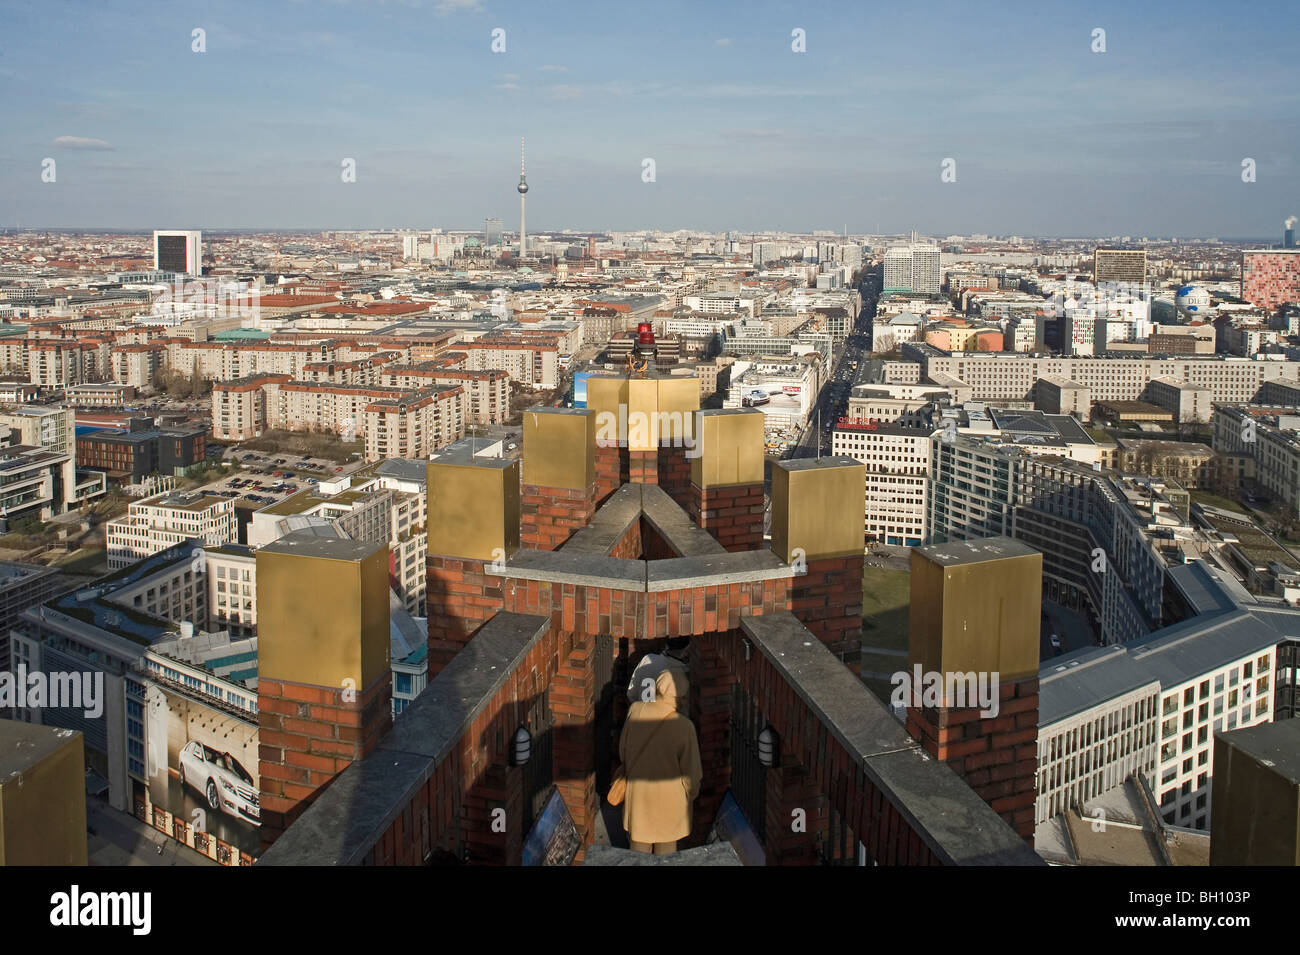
(1047, 137)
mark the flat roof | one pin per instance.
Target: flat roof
(975, 551)
(24, 745)
(330, 548)
(1276, 745)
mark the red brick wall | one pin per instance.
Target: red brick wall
(460, 598)
(307, 735)
(793, 795)
(733, 515)
(549, 515)
(643, 467)
(675, 474)
(710, 694)
(828, 601)
(997, 756)
(629, 546)
(476, 778)
(611, 470)
(573, 703)
(887, 835)
(636, 614)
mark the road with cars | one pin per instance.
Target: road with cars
(849, 369)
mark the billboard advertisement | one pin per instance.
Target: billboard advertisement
(201, 764)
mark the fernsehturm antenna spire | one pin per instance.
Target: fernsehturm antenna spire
(523, 189)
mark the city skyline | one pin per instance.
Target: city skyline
(745, 134)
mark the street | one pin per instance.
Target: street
(849, 369)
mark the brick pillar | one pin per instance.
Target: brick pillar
(817, 514)
(733, 515)
(996, 755)
(573, 703)
(607, 399)
(559, 475)
(975, 612)
(611, 470)
(675, 473)
(551, 514)
(324, 680)
(307, 735)
(726, 492)
(461, 596)
(827, 599)
(474, 505)
(643, 467)
(711, 682)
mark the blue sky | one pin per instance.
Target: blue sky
(1048, 136)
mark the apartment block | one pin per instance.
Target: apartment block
(416, 424)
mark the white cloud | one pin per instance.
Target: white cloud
(553, 69)
(447, 7)
(724, 41)
(81, 142)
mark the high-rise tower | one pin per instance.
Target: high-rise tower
(523, 191)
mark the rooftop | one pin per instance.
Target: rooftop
(329, 548)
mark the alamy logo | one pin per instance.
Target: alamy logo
(922, 688)
(58, 691)
(646, 429)
(75, 908)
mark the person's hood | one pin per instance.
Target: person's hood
(671, 686)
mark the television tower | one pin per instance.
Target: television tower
(523, 191)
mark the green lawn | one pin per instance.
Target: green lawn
(91, 561)
(886, 595)
(1213, 500)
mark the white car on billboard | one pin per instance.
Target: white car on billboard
(222, 781)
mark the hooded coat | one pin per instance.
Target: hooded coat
(663, 769)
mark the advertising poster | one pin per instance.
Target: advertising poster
(202, 767)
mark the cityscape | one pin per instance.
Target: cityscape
(665, 520)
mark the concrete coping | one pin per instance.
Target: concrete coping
(580, 569)
(667, 519)
(955, 823)
(716, 570)
(351, 815)
(641, 576)
(609, 524)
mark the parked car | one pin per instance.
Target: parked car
(221, 780)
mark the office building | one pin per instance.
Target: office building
(897, 459)
(1119, 266)
(164, 520)
(491, 233)
(178, 251)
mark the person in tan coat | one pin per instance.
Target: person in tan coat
(661, 755)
